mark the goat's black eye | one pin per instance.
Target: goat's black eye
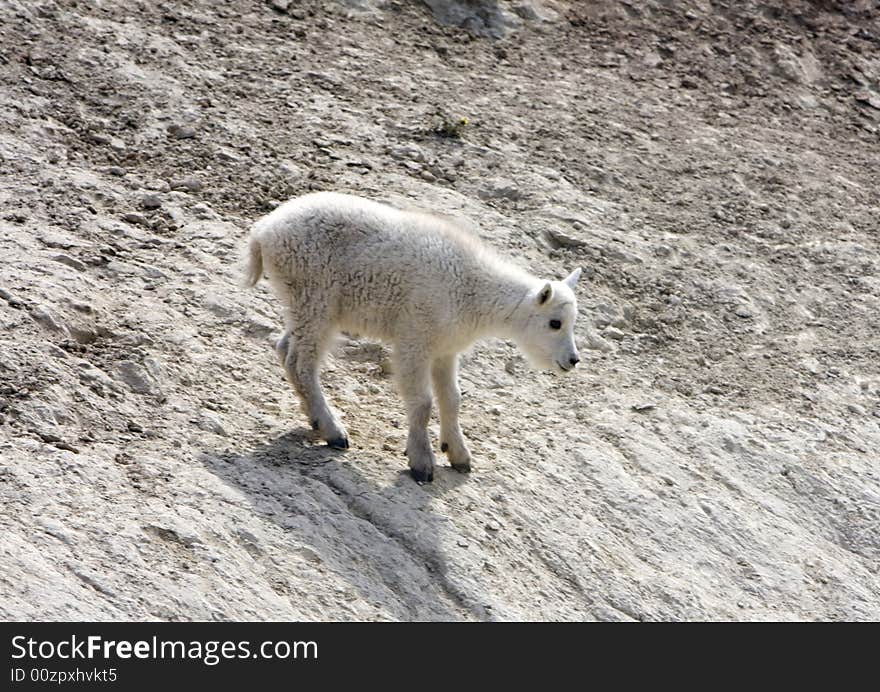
(555, 324)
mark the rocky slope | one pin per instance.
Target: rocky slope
(713, 166)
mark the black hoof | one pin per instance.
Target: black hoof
(462, 468)
(422, 476)
(444, 447)
(315, 424)
(338, 443)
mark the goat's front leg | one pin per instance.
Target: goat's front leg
(444, 371)
(415, 387)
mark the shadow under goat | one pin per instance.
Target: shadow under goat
(379, 540)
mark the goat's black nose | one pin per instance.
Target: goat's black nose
(574, 360)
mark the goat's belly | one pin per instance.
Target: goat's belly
(366, 322)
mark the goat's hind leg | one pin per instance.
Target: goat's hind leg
(301, 352)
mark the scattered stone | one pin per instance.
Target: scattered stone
(641, 408)
(560, 239)
(187, 185)
(88, 334)
(70, 262)
(211, 423)
(55, 440)
(158, 186)
(58, 241)
(203, 211)
(89, 374)
(228, 155)
(99, 138)
(135, 218)
(46, 318)
(181, 131)
(308, 554)
(151, 201)
(55, 351)
(408, 152)
(868, 98)
(743, 312)
(136, 377)
(479, 17)
(606, 314)
(500, 189)
(61, 444)
(613, 333)
(596, 343)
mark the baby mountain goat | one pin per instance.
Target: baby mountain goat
(343, 263)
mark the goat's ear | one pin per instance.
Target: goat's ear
(572, 279)
(545, 293)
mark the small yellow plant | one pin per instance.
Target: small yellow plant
(446, 126)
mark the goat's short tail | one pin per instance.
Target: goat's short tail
(254, 270)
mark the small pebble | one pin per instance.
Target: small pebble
(187, 185)
(561, 239)
(133, 217)
(158, 186)
(70, 262)
(182, 131)
(203, 211)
